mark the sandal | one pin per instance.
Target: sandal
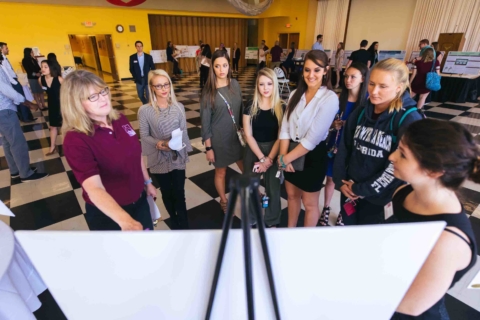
(339, 220)
(224, 206)
(324, 217)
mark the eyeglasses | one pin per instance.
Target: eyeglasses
(94, 97)
(165, 86)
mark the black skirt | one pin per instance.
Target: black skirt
(314, 171)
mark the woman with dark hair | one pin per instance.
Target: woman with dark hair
(171, 54)
(53, 58)
(33, 71)
(435, 158)
(438, 53)
(221, 112)
(353, 95)
(51, 82)
(235, 57)
(205, 62)
(288, 64)
(309, 114)
(362, 171)
(373, 49)
(418, 79)
(339, 57)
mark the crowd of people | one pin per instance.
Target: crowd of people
(371, 142)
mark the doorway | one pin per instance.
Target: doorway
(96, 54)
(294, 37)
(283, 40)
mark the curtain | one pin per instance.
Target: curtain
(331, 22)
(432, 17)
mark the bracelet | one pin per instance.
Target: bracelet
(281, 161)
(148, 181)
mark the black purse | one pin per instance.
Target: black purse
(298, 164)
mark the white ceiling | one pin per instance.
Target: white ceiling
(220, 6)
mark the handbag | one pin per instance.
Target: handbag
(433, 78)
(299, 163)
(240, 133)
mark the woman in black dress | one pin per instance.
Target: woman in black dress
(373, 49)
(205, 62)
(171, 57)
(235, 57)
(435, 157)
(51, 82)
(32, 69)
(288, 64)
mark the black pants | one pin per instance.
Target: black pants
(260, 66)
(366, 213)
(204, 70)
(172, 186)
(139, 211)
(235, 64)
(176, 70)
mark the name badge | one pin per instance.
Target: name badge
(388, 210)
(129, 130)
(135, 61)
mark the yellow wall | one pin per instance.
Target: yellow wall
(48, 27)
(300, 14)
(385, 21)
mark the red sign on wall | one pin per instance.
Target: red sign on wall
(126, 3)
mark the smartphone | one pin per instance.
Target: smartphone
(256, 168)
(349, 207)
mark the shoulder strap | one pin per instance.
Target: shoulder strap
(360, 116)
(434, 60)
(458, 235)
(404, 116)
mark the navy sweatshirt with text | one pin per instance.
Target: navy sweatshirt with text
(364, 150)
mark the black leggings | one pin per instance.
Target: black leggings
(172, 187)
(204, 70)
(176, 70)
(235, 64)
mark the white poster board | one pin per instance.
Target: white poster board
(300, 54)
(284, 55)
(251, 53)
(159, 56)
(186, 51)
(168, 274)
(397, 54)
(462, 63)
(228, 50)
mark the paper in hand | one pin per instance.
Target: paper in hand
(176, 142)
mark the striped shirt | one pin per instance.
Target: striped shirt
(156, 125)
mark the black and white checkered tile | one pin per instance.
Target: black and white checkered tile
(56, 203)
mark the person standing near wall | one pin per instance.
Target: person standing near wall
(32, 69)
(360, 55)
(171, 57)
(235, 57)
(205, 62)
(318, 45)
(276, 53)
(140, 64)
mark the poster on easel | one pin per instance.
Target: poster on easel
(159, 56)
(462, 63)
(251, 53)
(186, 51)
(396, 54)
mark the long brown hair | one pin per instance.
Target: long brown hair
(210, 89)
(320, 58)
(342, 47)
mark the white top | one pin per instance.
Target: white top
(310, 125)
(7, 67)
(260, 58)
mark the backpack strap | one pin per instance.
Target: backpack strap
(360, 116)
(404, 116)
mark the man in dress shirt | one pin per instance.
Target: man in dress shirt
(13, 141)
(24, 112)
(318, 45)
(140, 65)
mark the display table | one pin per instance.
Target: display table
(20, 284)
(458, 88)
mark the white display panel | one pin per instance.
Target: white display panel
(320, 273)
(251, 53)
(159, 56)
(187, 51)
(462, 63)
(397, 54)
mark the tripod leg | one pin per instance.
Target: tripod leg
(263, 239)
(227, 225)
(247, 249)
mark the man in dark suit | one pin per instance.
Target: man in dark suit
(140, 64)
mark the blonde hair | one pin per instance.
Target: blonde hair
(399, 71)
(76, 89)
(275, 99)
(427, 55)
(171, 100)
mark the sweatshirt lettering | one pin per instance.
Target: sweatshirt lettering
(376, 137)
(384, 180)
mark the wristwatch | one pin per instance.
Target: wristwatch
(262, 160)
(208, 148)
(148, 181)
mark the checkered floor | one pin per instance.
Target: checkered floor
(56, 203)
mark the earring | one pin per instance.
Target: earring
(154, 97)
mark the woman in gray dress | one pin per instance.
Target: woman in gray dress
(219, 126)
(158, 119)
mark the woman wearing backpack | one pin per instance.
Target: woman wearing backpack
(418, 79)
(362, 171)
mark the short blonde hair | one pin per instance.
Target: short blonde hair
(172, 99)
(76, 89)
(399, 71)
(275, 99)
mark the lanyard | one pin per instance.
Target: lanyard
(229, 110)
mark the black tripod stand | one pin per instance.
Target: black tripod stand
(247, 187)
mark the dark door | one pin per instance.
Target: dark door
(294, 37)
(93, 40)
(111, 57)
(283, 39)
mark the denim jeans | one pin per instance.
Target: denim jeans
(142, 90)
(23, 112)
(14, 144)
(172, 186)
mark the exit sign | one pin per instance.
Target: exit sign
(288, 25)
(88, 24)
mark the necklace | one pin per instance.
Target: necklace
(165, 111)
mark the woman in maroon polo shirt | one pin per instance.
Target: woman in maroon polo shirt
(104, 153)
